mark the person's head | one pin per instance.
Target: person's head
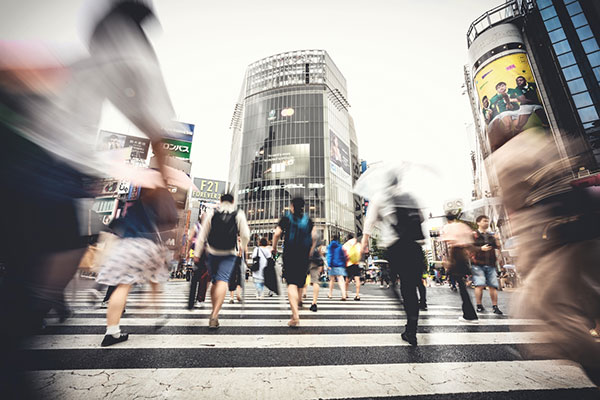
(501, 87)
(350, 237)
(263, 242)
(485, 101)
(483, 222)
(451, 217)
(227, 198)
(336, 237)
(297, 206)
(521, 81)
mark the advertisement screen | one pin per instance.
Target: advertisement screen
(340, 154)
(111, 141)
(289, 161)
(508, 98)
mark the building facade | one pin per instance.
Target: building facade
(293, 136)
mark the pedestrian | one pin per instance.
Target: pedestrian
(260, 254)
(200, 277)
(300, 240)
(399, 220)
(336, 259)
(219, 239)
(354, 253)
(459, 239)
(421, 286)
(138, 256)
(315, 270)
(483, 263)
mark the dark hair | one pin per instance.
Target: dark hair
(336, 237)
(481, 217)
(484, 98)
(263, 242)
(522, 77)
(350, 236)
(500, 83)
(451, 217)
(298, 203)
(227, 197)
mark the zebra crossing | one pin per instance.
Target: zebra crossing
(345, 350)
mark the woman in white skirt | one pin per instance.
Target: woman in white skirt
(138, 256)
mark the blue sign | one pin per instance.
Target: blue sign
(180, 131)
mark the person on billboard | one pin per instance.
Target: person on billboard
(488, 112)
(502, 127)
(526, 94)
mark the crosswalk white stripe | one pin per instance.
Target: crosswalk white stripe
(326, 381)
(141, 341)
(321, 306)
(226, 311)
(237, 322)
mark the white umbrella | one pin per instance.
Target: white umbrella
(406, 184)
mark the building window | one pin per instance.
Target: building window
(544, 3)
(557, 35)
(569, 1)
(548, 13)
(571, 72)
(562, 47)
(590, 45)
(584, 33)
(552, 24)
(582, 100)
(579, 20)
(566, 59)
(574, 8)
(597, 73)
(577, 86)
(594, 59)
(588, 114)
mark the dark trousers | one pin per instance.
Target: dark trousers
(109, 293)
(198, 285)
(467, 305)
(406, 262)
(422, 292)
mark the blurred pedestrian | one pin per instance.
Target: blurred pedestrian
(300, 241)
(459, 238)
(399, 220)
(315, 270)
(219, 239)
(336, 260)
(353, 253)
(261, 253)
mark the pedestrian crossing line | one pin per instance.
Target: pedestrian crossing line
(258, 305)
(251, 322)
(62, 342)
(326, 382)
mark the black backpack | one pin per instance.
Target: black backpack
(223, 231)
(408, 224)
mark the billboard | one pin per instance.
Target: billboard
(180, 131)
(112, 141)
(288, 161)
(178, 139)
(508, 98)
(177, 148)
(340, 154)
(208, 189)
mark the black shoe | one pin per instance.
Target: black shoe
(356, 298)
(300, 305)
(497, 310)
(423, 306)
(109, 340)
(410, 338)
(453, 288)
(313, 307)
(480, 308)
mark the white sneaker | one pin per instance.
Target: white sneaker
(199, 304)
(468, 321)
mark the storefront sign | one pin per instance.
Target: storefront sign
(177, 148)
(208, 189)
(112, 141)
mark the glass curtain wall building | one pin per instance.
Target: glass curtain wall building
(293, 136)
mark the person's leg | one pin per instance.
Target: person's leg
(479, 295)
(342, 285)
(467, 306)
(218, 291)
(315, 286)
(422, 294)
(109, 293)
(293, 296)
(357, 283)
(116, 305)
(493, 295)
(156, 296)
(331, 283)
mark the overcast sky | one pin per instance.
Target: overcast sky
(403, 62)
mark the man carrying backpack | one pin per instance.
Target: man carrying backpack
(220, 230)
(400, 230)
(300, 240)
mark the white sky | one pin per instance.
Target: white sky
(402, 60)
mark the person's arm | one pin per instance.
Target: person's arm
(243, 230)
(370, 223)
(276, 237)
(202, 237)
(314, 236)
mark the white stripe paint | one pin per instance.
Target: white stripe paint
(257, 304)
(326, 381)
(140, 341)
(202, 322)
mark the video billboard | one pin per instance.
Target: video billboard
(289, 161)
(112, 141)
(508, 98)
(340, 154)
